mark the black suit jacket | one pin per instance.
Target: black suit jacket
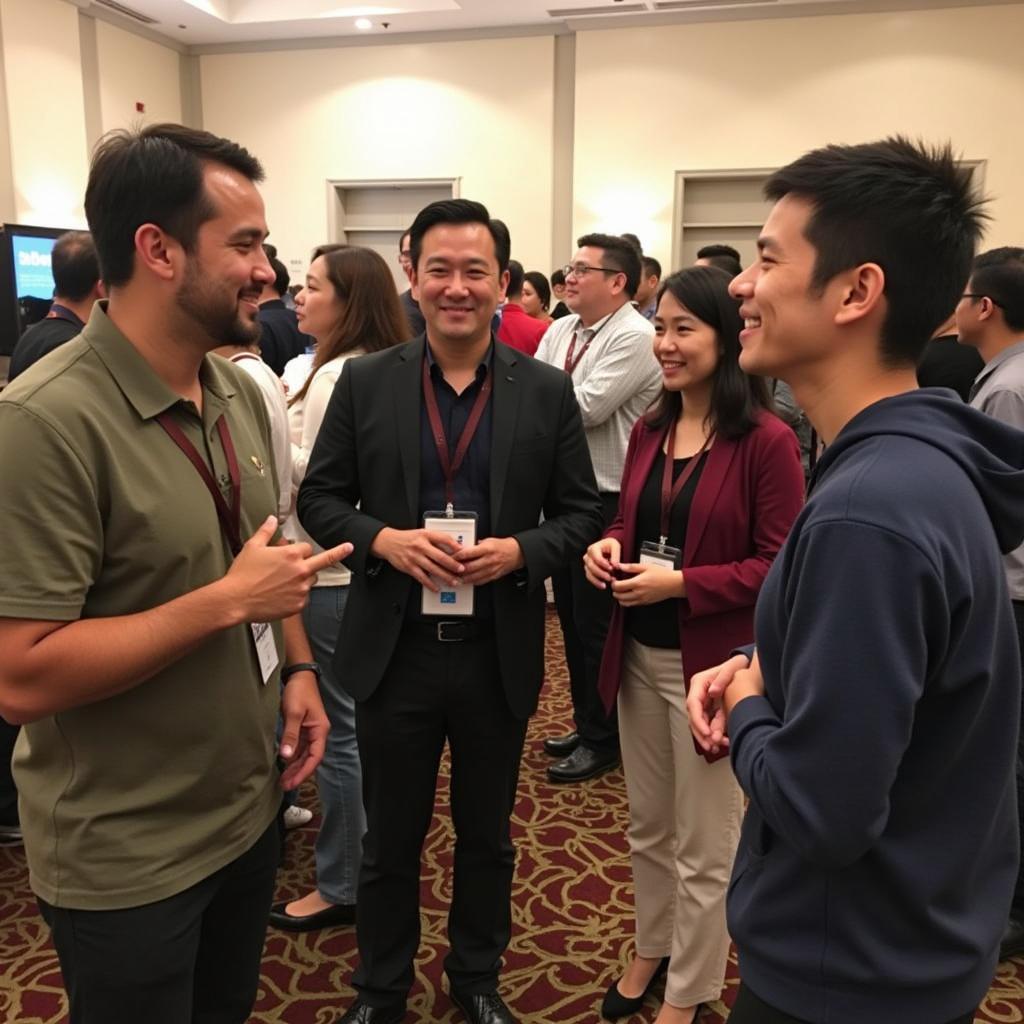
(364, 474)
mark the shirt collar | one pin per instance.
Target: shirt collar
(139, 383)
(481, 370)
(993, 364)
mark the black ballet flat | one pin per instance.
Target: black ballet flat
(616, 1005)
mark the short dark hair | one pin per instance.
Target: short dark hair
(736, 397)
(902, 205)
(705, 252)
(402, 237)
(281, 276)
(540, 286)
(459, 211)
(75, 265)
(515, 280)
(154, 175)
(731, 266)
(557, 278)
(999, 274)
(651, 267)
(633, 240)
(271, 250)
(619, 254)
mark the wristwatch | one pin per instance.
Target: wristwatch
(302, 666)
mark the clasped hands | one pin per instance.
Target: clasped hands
(645, 584)
(429, 555)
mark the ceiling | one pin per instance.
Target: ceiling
(196, 25)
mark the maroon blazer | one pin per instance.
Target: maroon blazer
(747, 497)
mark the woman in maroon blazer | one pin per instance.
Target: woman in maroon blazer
(685, 559)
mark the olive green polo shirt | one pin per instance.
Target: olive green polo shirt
(137, 797)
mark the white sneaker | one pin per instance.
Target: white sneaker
(296, 817)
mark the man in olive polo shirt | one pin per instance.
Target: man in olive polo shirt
(134, 621)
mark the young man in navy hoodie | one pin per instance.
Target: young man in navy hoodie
(875, 728)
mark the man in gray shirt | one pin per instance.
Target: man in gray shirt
(990, 318)
(606, 347)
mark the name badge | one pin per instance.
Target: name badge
(266, 649)
(450, 601)
(668, 557)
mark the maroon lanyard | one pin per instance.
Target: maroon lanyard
(571, 363)
(669, 491)
(449, 467)
(230, 518)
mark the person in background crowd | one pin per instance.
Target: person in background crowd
(452, 419)
(725, 257)
(605, 347)
(417, 325)
(142, 648)
(519, 329)
(633, 241)
(536, 296)
(558, 290)
(280, 337)
(646, 298)
(351, 307)
(948, 364)
(711, 485)
(874, 732)
(990, 320)
(77, 286)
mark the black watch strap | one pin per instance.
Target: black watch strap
(302, 666)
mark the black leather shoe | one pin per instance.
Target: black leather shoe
(616, 1005)
(360, 1013)
(339, 914)
(562, 746)
(486, 1008)
(1012, 943)
(583, 763)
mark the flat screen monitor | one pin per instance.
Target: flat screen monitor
(26, 280)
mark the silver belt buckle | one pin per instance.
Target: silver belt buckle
(447, 639)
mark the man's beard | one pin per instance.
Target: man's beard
(213, 312)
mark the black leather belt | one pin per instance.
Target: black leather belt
(451, 631)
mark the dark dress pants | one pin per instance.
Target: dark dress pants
(8, 791)
(1017, 907)
(193, 958)
(584, 613)
(435, 691)
(749, 1009)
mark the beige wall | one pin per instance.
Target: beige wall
(45, 111)
(132, 68)
(755, 94)
(480, 111)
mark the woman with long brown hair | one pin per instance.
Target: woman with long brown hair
(351, 307)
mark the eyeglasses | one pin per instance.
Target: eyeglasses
(978, 295)
(582, 269)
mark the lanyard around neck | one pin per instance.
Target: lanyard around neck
(449, 466)
(230, 518)
(669, 491)
(570, 362)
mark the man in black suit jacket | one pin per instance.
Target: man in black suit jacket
(421, 679)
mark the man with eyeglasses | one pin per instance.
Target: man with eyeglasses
(990, 318)
(417, 325)
(606, 347)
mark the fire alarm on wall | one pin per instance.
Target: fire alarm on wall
(140, 107)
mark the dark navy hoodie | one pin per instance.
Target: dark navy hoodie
(879, 852)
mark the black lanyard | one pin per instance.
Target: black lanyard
(230, 518)
(450, 467)
(669, 491)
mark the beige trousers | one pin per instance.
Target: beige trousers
(684, 821)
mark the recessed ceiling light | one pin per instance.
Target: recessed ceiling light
(364, 24)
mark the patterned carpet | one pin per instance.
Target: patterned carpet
(572, 905)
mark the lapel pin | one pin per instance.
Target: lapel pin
(255, 459)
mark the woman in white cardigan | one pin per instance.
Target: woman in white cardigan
(350, 306)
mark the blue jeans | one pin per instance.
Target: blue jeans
(339, 844)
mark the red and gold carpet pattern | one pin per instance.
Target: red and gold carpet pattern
(572, 909)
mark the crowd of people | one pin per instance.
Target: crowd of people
(249, 543)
